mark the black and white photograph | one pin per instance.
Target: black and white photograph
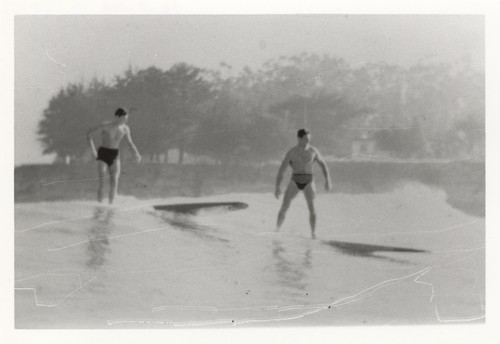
(249, 171)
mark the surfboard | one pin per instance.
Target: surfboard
(193, 208)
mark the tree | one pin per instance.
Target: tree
(145, 93)
(167, 105)
(188, 95)
(220, 133)
(249, 116)
(66, 115)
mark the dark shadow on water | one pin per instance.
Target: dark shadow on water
(368, 251)
(187, 224)
(98, 234)
(182, 217)
(194, 208)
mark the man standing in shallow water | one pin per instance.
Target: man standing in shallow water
(107, 155)
(301, 159)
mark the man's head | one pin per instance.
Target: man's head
(304, 136)
(121, 114)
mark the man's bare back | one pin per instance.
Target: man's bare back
(112, 134)
(107, 155)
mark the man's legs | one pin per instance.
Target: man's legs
(290, 193)
(309, 193)
(101, 170)
(114, 175)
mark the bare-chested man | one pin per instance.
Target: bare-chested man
(301, 159)
(107, 155)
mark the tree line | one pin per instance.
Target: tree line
(424, 111)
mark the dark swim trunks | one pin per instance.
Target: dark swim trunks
(108, 155)
(302, 179)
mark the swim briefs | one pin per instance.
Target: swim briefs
(108, 155)
(302, 179)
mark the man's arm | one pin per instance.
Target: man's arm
(324, 168)
(281, 171)
(90, 141)
(131, 144)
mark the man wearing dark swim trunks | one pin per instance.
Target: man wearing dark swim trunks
(107, 155)
(301, 158)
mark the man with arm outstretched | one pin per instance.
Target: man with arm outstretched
(107, 155)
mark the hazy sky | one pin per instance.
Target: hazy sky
(52, 51)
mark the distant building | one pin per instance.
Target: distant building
(363, 146)
(360, 133)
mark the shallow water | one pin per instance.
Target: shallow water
(405, 257)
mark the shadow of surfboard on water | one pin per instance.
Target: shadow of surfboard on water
(201, 231)
(370, 251)
(194, 208)
(184, 214)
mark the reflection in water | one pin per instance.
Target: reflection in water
(98, 236)
(291, 267)
(363, 250)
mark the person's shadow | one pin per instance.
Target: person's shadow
(98, 234)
